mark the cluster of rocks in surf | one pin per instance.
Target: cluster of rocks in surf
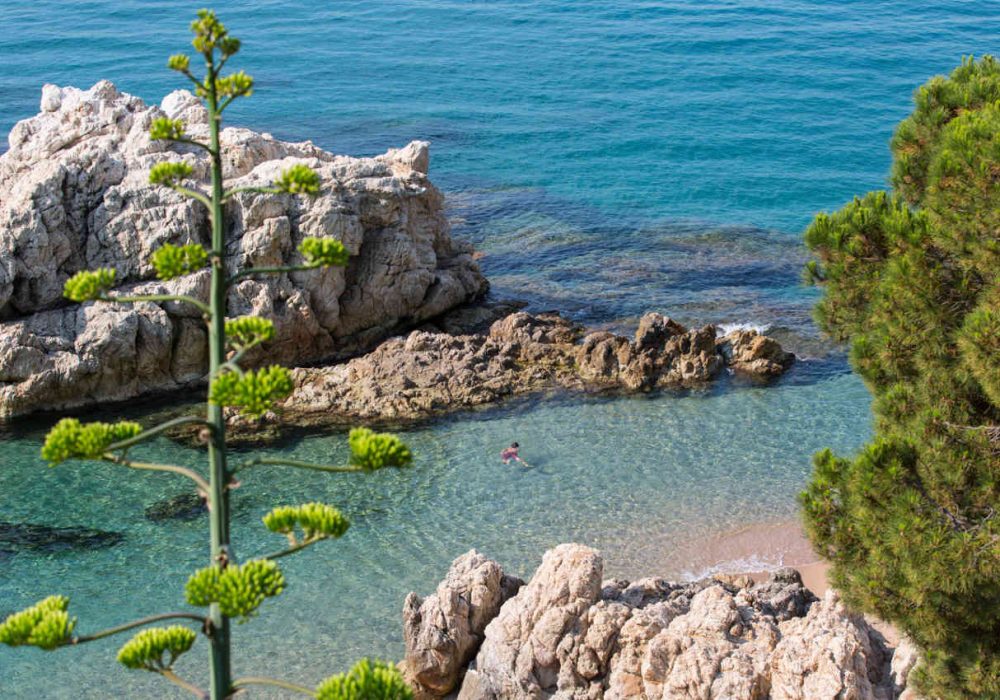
(430, 372)
(74, 194)
(571, 634)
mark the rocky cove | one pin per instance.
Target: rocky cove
(73, 195)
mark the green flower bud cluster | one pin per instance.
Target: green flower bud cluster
(146, 649)
(254, 392)
(234, 85)
(46, 625)
(249, 330)
(371, 450)
(317, 520)
(168, 174)
(367, 680)
(166, 128)
(239, 590)
(173, 261)
(298, 179)
(70, 439)
(210, 33)
(179, 62)
(88, 285)
(324, 252)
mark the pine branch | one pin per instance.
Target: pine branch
(260, 680)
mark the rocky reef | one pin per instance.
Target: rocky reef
(74, 194)
(571, 634)
(430, 372)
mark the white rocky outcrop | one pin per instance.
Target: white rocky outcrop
(570, 635)
(74, 195)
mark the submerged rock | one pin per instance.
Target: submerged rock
(570, 634)
(430, 373)
(183, 506)
(74, 194)
(20, 537)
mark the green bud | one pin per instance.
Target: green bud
(202, 585)
(147, 648)
(235, 85)
(168, 174)
(238, 589)
(208, 32)
(324, 252)
(70, 439)
(255, 392)
(173, 261)
(317, 520)
(372, 451)
(249, 330)
(229, 45)
(45, 624)
(298, 179)
(165, 128)
(179, 62)
(367, 680)
(88, 285)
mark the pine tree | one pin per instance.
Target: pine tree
(912, 282)
(227, 589)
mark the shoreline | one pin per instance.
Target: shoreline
(755, 550)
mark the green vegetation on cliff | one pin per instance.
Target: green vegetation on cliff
(912, 280)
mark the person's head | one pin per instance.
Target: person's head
(514, 445)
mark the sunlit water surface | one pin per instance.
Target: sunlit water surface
(608, 159)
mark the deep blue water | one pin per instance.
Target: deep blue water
(608, 158)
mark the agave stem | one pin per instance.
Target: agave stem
(293, 549)
(204, 308)
(132, 625)
(158, 430)
(251, 271)
(298, 465)
(251, 188)
(260, 680)
(151, 466)
(178, 681)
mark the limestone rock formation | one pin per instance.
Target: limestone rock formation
(74, 194)
(750, 352)
(569, 635)
(444, 630)
(428, 373)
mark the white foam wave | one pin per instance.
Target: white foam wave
(727, 328)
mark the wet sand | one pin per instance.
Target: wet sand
(759, 549)
(756, 550)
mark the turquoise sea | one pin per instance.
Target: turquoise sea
(608, 158)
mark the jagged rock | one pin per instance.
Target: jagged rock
(750, 352)
(183, 506)
(443, 631)
(19, 537)
(74, 194)
(904, 660)
(567, 635)
(429, 373)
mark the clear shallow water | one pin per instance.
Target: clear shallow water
(637, 478)
(607, 159)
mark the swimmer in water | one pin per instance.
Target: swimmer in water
(510, 454)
